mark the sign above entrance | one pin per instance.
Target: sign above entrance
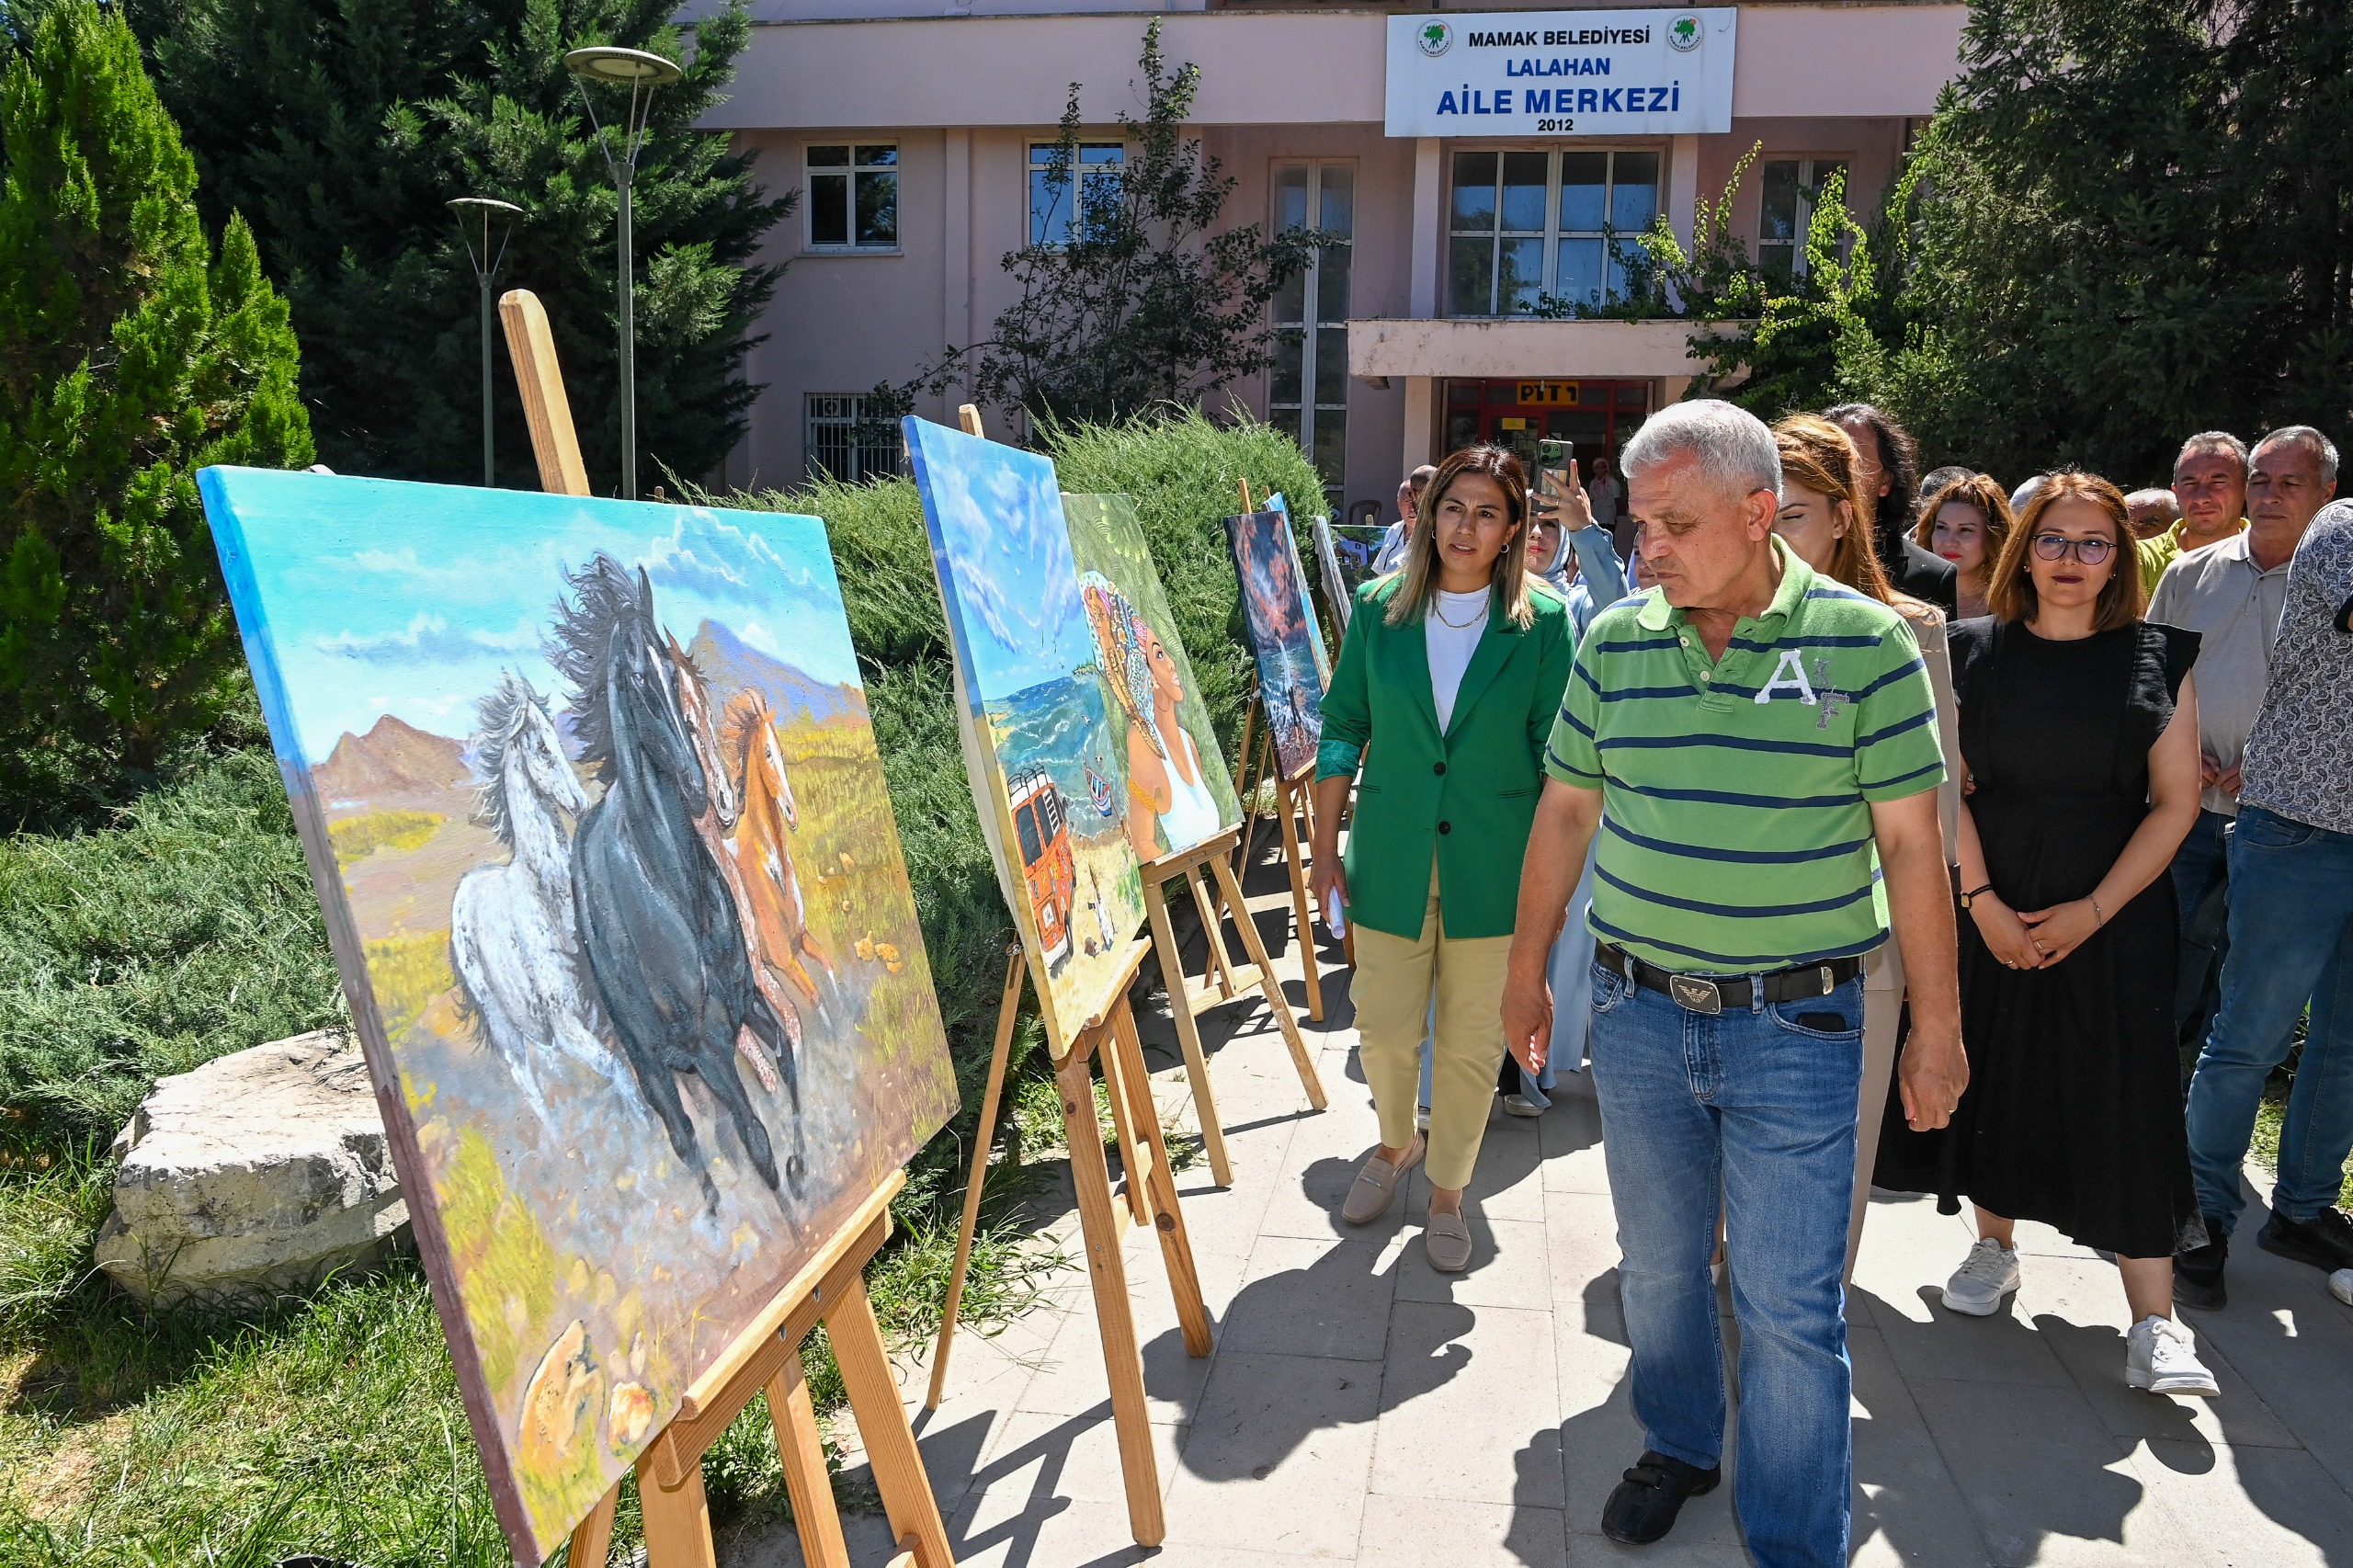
(1561, 394)
(1560, 73)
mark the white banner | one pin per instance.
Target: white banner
(1560, 73)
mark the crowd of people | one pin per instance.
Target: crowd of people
(1896, 831)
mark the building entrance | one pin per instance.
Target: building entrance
(1596, 415)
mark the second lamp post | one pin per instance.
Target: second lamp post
(641, 73)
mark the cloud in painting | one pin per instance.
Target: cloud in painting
(723, 563)
(428, 637)
(1006, 545)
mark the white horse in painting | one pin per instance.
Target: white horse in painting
(512, 930)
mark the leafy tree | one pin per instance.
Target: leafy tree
(2130, 219)
(1142, 304)
(129, 356)
(343, 129)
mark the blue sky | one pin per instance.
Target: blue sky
(379, 597)
(996, 517)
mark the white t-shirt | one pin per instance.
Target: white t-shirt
(1451, 642)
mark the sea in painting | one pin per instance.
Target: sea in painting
(1178, 791)
(1276, 616)
(591, 797)
(1040, 741)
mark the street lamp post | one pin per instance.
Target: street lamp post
(641, 73)
(489, 211)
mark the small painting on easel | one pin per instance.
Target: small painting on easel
(1346, 551)
(1274, 502)
(1276, 616)
(1035, 716)
(1179, 793)
(591, 798)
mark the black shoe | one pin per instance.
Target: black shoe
(2198, 1272)
(1644, 1505)
(2325, 1241)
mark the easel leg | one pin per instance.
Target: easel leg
(1114, 1314)
(677, 1519)
(798, 1444)
(1123, 1129)
(1176, 1245)
(1251, 943)
(883, 1423)
(1188, 1032)
(982, 1136)
(591, 1539)
(1301, 910)
(1221, 962)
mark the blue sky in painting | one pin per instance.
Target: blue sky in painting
(996, 517)
(384, 597)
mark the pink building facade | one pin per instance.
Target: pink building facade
(915, 141)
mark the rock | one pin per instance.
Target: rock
(252, 1177)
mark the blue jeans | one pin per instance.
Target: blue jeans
(2201, 892)
(1760, 1108)
(2291, 940)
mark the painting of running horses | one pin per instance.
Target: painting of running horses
(1035, 714)
(592, 803)
(1279, 623)
(1177, 788)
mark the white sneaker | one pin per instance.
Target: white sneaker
(1421, 1119)
(1990, 1273)
(1521, 1105)
(2340, 1285)
(2162, 1356)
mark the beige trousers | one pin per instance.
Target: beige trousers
(1395, 979)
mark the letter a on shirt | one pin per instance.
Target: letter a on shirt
(1788, 675)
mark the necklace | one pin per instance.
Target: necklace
(1440, 610)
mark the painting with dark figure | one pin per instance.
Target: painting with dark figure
(1345, 551)
(1276, 619)
(591, 801)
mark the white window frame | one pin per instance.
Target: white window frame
(1302, 418)
(1813, 169)
(1552, 234)
(1040, 159)
(847, 173)
(843, 412)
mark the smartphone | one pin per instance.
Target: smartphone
(1553, 457)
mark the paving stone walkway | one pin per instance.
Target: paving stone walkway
(1360, 1407)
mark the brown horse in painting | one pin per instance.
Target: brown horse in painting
(763, 858)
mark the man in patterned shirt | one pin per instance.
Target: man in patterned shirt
(1756, 746)
(2291, 934)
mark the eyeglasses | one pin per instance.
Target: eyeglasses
(2056, 547)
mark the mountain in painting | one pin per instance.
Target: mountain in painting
(394, 757)
(730, 662)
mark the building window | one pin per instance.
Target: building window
(1308, 395)
(1530, 228)
(843, 444)
(854, 197)
(1785, 211)
(1062, 193)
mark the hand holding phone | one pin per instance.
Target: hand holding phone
(1560, 495)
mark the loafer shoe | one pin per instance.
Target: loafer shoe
(2325, 1241)
(1375, 1187)
(1448, 1241)
(2197, 1273)
(1644, 1507)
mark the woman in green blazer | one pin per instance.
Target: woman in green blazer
(1448, 684)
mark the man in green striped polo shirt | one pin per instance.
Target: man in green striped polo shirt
(1756, 748)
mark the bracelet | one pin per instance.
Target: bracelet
(2099, 916)
(1974, 894)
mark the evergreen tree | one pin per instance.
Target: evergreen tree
(129, 356)
(2128, 220)
(342, 130)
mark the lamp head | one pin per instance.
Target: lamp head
(485, 207)
(621, 67)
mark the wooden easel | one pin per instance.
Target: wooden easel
(1206, 865)
(829, 1289)
(1150, 1200)
(1295, 801)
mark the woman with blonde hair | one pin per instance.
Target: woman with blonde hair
(1825, 514)
(2079, 737)
(1967, 523)
(1444, 696)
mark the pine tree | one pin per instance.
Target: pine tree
(129, 356)
(342, 130)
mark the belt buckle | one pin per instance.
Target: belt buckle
(1695, 994)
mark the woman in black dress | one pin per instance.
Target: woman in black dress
(2079, 733)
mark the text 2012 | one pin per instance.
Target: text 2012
(1556, 125)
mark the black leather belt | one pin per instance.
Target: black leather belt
(1702, 993)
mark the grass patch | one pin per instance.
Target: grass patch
(355, 838)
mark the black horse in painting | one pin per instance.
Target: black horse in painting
(658, 922)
